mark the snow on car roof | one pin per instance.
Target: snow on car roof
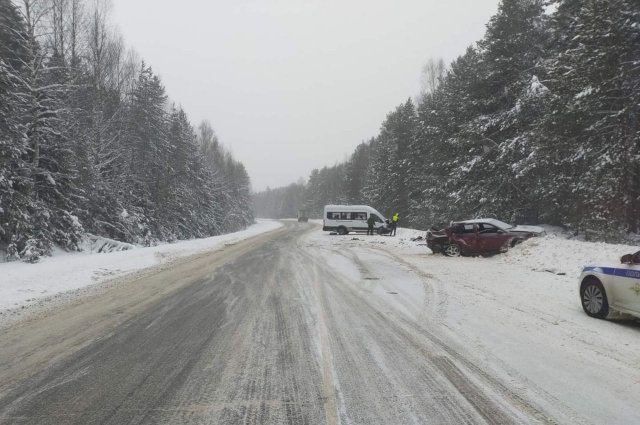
(497, 223)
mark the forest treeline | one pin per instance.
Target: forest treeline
(539, 119)
(89, 141)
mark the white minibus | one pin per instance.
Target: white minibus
(350, 218)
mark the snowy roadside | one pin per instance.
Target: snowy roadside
(24, 287)
(553, 253)
(552, 257)
(517, 315)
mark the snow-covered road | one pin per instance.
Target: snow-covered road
(301, 327)
(516, 317)
(27, 289)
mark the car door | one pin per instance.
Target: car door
(360, 220)
(466, 236)
(490, 238)
(625, 287)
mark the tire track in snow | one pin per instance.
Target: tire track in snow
(489, 411)
(329, 384)
(485, 406)
(516, 395)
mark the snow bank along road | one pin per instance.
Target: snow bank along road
(298, 327)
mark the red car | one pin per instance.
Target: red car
(480, 236)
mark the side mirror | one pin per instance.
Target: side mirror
(626, 259)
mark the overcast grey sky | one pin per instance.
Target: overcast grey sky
(292, 85)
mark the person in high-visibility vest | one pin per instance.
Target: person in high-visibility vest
(394, 223)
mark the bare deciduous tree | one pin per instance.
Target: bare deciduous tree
(431, 75)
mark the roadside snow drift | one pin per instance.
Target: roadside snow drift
(25, 285)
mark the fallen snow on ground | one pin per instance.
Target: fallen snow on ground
(23, 286)
(553, 253)
(557, 254)
(518, 315)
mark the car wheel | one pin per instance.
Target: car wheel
(594, 298)
(452, 250)
(342, 230)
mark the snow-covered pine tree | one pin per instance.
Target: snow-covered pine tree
(175, 215)
(50, 195)
(147, 154)
(426, 172)
(377, 187)
(184, 213)
(443, 153)
(510, 70)
(213, 200)
(400, 130)
(327, 186)
(386, 182)
(56, 185)
(238, 189)
(470, 127)
(355, 173)
(102, 78)
(16, 185)
(593, 128)
(312, 193)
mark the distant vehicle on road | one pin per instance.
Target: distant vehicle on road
(350, 218)
(617, 287)
(303, 217)
(479, 236)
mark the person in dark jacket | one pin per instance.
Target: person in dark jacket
(370, 222)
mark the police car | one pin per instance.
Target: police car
(612, 287)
